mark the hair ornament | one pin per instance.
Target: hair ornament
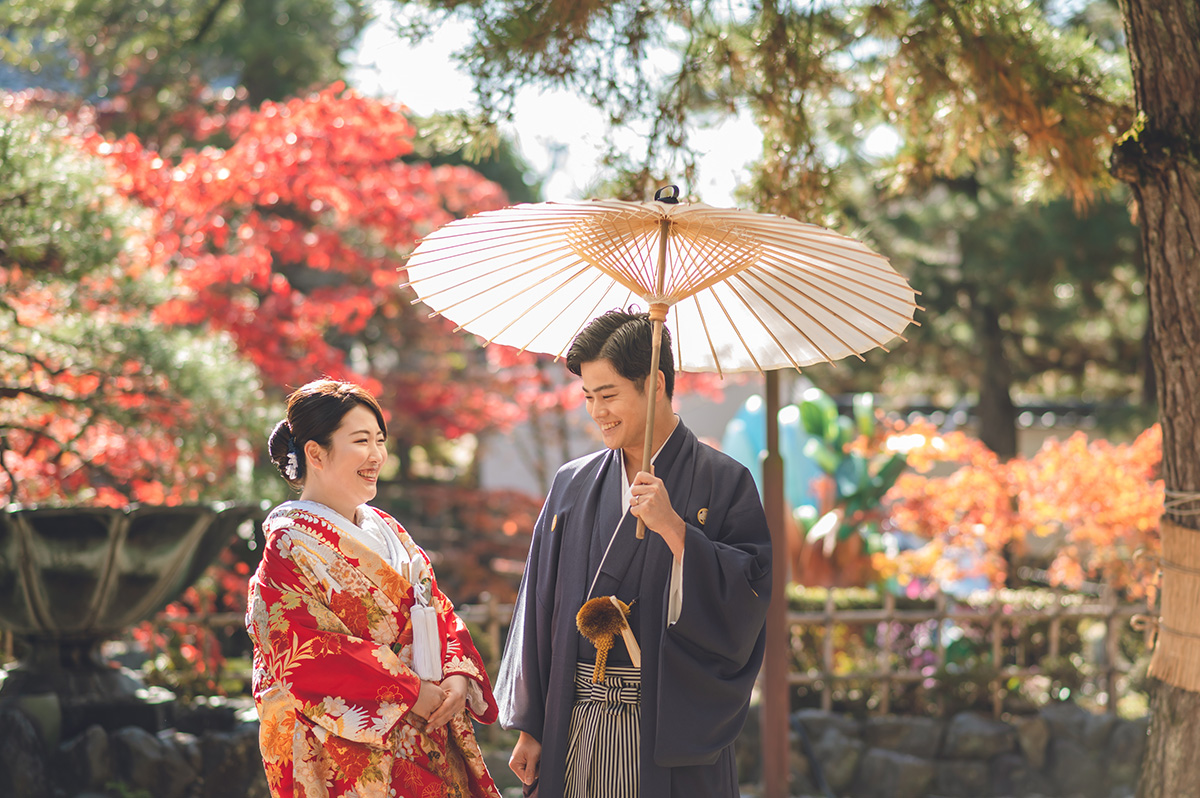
(292, 469)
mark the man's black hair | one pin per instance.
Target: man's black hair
(623, 338)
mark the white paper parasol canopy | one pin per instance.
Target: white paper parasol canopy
(740, 291)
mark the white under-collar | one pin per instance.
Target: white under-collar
(626, 495)
(371, 530)
(626, 488)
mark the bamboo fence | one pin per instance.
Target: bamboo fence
(491, 618)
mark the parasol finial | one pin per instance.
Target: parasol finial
(668, 194)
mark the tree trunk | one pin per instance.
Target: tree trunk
(1160, 160)
(1149, 385)
(997, 415)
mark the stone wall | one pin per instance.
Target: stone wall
(212, 752)
(1061, 752)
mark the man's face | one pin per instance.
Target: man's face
(615, 404)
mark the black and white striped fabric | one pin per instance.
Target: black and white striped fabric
(602, 749)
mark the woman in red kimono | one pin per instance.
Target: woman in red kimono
(363, 674)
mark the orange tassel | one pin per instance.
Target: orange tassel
(600, 620)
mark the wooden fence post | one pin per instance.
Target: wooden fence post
(1112, 650)
(827, 652)
(997, 656)
(885, 652)
(940, 620)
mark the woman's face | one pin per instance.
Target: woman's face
(348, 471)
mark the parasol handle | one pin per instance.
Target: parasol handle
(658, 314)
(652, 391)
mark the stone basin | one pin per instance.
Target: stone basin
(72, 577)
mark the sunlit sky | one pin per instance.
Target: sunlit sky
(560, 136)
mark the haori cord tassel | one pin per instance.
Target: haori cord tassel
(600, 620)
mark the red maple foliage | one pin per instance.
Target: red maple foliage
(292, 239)
(89, 409)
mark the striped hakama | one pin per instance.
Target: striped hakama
(602, 744)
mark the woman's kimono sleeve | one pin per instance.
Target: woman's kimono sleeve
(459, 655)
(327, 642)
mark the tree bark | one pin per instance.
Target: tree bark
(1160, 160)
(1149, 380)
(996, 412)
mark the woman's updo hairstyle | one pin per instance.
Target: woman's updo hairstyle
(314, 412)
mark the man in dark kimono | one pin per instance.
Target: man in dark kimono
(698, 585)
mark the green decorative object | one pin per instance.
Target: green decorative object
(857, 482)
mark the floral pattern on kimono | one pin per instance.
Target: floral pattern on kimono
(333, 683)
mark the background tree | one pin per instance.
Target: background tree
(146, 65)
(1022, 301)
(99, 401)
(954, 79)
(951, 86)
(195, 82)
(441, 141)
(290, 240)
(1160, 160)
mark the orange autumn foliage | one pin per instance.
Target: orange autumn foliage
(1101, 500)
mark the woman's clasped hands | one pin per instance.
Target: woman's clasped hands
(439, 702)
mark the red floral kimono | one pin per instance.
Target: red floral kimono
(332, 633)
